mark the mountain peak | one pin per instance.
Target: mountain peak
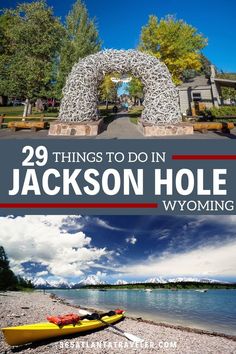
(41, 283)
(92, 280)
(158, 280)
(120, 282)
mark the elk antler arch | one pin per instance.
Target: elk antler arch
(80, 94)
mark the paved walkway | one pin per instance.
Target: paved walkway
(121, 127)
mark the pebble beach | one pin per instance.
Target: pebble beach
(18, 308)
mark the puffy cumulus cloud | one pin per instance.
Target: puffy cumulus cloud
(214, 260)
(132, 240)
(17, 267)
(47, 240)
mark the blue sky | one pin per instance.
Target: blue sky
(120, 22)
(131, 248)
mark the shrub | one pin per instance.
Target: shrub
(223, 111)
(53, 110)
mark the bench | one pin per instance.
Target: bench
(34, 126)
(204, 127)
(2, 123)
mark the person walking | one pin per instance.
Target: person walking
(115, 109)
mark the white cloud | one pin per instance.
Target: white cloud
(17, 267)
(101, 274)
(217, 260)
(228, 221)
(163, 234)
(43, 239)
(132, 240)
(101, 223)
(41, 274)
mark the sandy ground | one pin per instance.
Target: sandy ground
(22, 308)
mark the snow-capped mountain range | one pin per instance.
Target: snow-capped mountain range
(157, 280)
(42, 283)
(120, 282)
(91, 280)
(64, 284)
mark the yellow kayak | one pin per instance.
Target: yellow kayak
(39, 331)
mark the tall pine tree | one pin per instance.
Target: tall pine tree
(81, 40)
(8, 280)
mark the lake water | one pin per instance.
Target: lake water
(214, 310)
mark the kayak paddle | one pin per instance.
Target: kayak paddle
(130, 336)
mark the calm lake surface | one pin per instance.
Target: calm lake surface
(214, 310)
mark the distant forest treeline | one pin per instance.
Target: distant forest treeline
(170, 286)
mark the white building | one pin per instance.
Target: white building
(203, 92)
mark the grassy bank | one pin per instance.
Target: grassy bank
(18, 112)
(12, 113)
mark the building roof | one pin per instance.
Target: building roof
(195, 82)
(225, 82)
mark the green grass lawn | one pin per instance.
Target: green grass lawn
(18, 112)
(12, 111)
(107, 115)
(135, 114)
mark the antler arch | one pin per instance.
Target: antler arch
(80, 94)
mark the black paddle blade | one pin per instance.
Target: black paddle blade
(96, 316)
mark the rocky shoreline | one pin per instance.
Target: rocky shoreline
(17, 308)
(140, 319)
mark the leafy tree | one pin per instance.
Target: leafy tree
(31, 40)
(135, 90)
(81, 39)
(4, 56)
(206, 66)
(108, 89)
(174, 42)
(204, 70)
